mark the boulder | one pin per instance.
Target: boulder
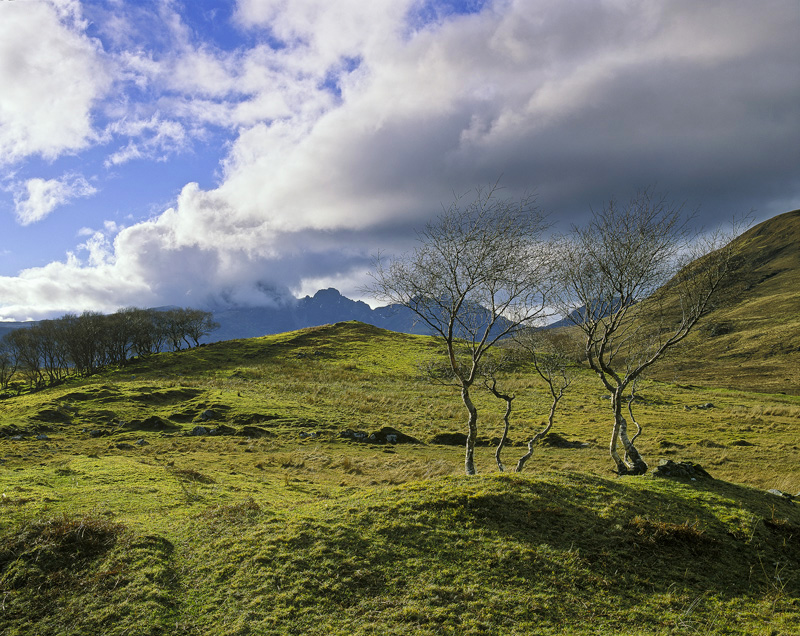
(152, 423)
(356, 436)
(389, 435)
(680, 470)
(780, 493)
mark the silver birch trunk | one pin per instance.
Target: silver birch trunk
(504, 438)
(472, 431)
(532, 442)
(636, 464)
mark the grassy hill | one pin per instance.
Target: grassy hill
(120, 521)
(752, 338)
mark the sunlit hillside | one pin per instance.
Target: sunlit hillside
(220, 491)
(752, 338)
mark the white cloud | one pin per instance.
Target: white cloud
(361, 124)
(154, 138)
(37, 198)
(51, 75)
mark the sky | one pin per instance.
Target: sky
(244, 152)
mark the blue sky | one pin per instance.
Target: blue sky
(243, 152)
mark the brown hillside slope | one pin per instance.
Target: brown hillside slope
(751, 340)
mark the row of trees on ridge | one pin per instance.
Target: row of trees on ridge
(50, 350)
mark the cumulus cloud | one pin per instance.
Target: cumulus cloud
(154, 138)
(52, 75)
(37, 198)
(355, 121)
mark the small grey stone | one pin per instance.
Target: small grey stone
(780, 493)
(141, 442)
(42, 437)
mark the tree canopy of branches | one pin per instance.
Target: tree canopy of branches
(478, 274)
(49, 350)
(635, 281)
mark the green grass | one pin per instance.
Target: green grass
(262, 531)
(751, 340)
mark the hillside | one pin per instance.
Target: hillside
(212, 491)
(751, 340)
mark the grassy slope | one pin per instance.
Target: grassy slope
(265, 532)
(277, 534)
(752, 340)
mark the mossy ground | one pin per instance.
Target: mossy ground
(274, 533)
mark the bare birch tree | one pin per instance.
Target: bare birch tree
(478, 274)
(552, 355)
(636, 281)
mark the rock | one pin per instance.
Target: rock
(152, 423)
(208, 414)
(16, 438)
(199, 430)
(680, 470)
(141, 442)
(305, 435)
(125, 446)
(780, 493)
(389, 435)
(42, 437)
(96, 433)
(357, 436)
(707, 405)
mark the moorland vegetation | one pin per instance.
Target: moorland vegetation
(306, 483)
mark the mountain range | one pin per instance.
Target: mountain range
(325, 307)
